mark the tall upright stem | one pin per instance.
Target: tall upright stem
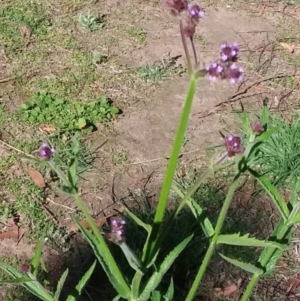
(186, 50)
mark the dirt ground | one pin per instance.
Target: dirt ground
(144, 132)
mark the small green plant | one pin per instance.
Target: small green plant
(138, 33)
(120, 157)
(47, 108)
(90, 22)
(153, 73)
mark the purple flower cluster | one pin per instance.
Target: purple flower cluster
(233, 145)
(46, 151)
(190, 14)
(225, 67)
(117, 230)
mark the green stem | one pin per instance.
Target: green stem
(161, 207)
(213, 242)
(250, 287)
(186, 50)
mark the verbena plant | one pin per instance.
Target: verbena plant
(149, 270)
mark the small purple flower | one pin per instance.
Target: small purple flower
(257, 127)
(229, 52)
(195, 11)
(46, 151)
(117, 230)
(234, 74)
(233, 145)
(214, 70)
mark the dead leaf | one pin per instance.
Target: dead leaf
(227, 291)
(99, 222)
(293, 284)
(48, 128)
(290, 48)
(13, 230)
(37, 178)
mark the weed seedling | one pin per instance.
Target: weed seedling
(47, 108)
(90, 22)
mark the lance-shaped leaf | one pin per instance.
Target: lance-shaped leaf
(36, 258)
(31, 284)
(156, 278)
(197, 211)
(238, 240)
(60, 284)
(243, 265)
(169, 295)
(81, 284)
(273, 193)
(107, 262)
(138, 221)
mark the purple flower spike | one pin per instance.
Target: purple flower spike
(233, 145)
(229, 52)
(235, 74)
(117, 231)
(195, 11)
(257, 127)
(46, 151)
(214, 70)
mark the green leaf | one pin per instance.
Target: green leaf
(117, 298)
(238, 240)
(156, 296)
(200, 216)
(81, 284)
(170, 292)
(266, 135)
(244, 266)
(138, 221)
(273, 193)
(60, 284)
(265, 115)
(246, 122)
(81, 123)
(156, 277)
(36, 258)
(32, 286)
(16, 281)
(114, 110)
(271, 264)
(107, 262)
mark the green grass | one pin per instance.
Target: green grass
(279, 157)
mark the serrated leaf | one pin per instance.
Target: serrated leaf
(169, 295)
(83, 281)
(238, 240)
(197, 211)
(60, 284)
(107, 262)
(33, 286)
(243, 265)
(138, 221)
(36, 258)
(273, 193)
(156, 277)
